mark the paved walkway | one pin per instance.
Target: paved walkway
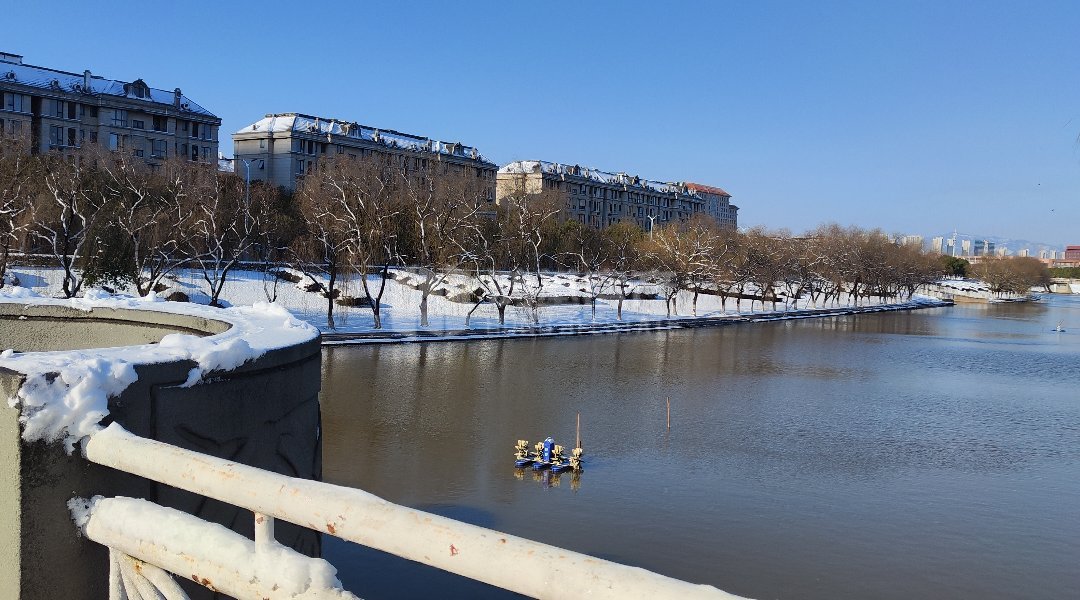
(395, 337)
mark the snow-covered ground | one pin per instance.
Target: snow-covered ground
(65, 393)
(401, 302)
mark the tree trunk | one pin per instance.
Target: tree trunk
(330, 299)
(695, 300)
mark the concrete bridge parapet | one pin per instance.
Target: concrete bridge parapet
(239, 384)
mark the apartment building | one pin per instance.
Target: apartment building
(55, 111)
(281, 148)
(600, 198)
(717, 204)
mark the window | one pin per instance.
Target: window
(93, 137)
(120, 118)
(262, 144)
(72, 107)
(161, 123)
(115, 143)
(158, 148)
(137, 124)
(16, 102)
(206, 152)
(299, 166)
(71, 136)
(297, 145)
(195, 130)
(183, 125)
(56, 136)
(194, 152)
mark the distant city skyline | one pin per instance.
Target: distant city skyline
(911, 117)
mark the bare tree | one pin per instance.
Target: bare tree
(326, 240)
(17, 193)
(151, 211)
(66, 211)
(445, 201)
(528, 219)
(623, 241)
(589, 252)
(222, 227)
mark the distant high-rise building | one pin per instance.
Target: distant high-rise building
(1024, 252)
(910, 240)
(938, 245)
(965, 247)
(983, 248)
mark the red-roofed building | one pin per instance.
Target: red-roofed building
(717, 204)
(1072, 253)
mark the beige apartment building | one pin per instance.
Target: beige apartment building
(281, 148)
(57, 110)
(717, 204)
(600, 198)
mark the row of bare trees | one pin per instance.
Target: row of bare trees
(1012, 275)
(108, 219)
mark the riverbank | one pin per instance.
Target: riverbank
(395, 337)
(566, 306)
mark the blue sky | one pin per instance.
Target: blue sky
(916, 117)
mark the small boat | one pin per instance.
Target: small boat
(1059, 328)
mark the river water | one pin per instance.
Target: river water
(924, 454)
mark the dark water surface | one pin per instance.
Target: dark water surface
(928, 454)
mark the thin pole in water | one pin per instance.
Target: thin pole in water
(578, 431)
(669, 413)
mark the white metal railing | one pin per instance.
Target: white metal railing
(509, 562)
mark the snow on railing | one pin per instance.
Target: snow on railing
(229, 562)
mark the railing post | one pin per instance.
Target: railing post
(264, 530)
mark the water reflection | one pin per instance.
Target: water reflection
(548, 479)
(935, 453)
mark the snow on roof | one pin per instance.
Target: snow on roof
(708, 189)
(300, 123)
(538, 166)
(72, 83)
(65, 393)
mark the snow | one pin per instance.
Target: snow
(65, 393)
(401, 302)
(141, 522)
(43, 77)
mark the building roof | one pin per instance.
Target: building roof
(12, 70)
(301, 123)
(708, 189)
(541, 166)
